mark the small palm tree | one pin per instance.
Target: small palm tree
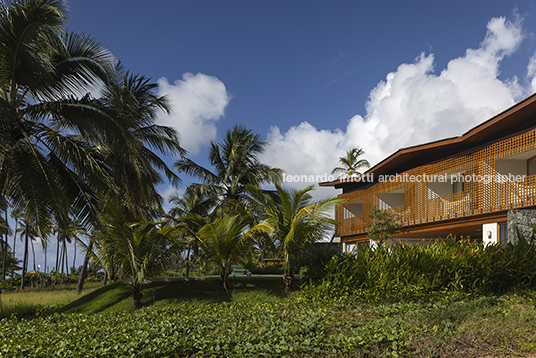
(224, 240)
(140, 249)
(296, 220)
(351, 164)
(185, 208)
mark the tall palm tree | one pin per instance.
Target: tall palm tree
(45, 165)
(296, 220)
(132, 104)
(236, 164)
(351, 164)
(129, 102)
(30, 231)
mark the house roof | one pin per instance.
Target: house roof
(517, 119)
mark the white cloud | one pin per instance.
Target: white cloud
(413, 105)
(166, 194)
(198, 102)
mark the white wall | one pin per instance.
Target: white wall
(490, 234)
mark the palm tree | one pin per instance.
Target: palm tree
(236, 164)
(131, 104)
(30, 230)
(296, 220)
(185, 208)
(140, 249)
(45, 165)
(224, 239)
(351, 164)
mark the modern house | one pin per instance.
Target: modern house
(481, 184)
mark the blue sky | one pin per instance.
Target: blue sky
(318, 77)
(292, 63)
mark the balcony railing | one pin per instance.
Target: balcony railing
(479, 199)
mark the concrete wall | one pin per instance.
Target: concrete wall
(522, 219)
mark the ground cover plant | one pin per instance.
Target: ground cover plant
(260, 323)
(422, 304)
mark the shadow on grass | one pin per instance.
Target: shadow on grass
(99, 300)
(208, 291)
(118, 296)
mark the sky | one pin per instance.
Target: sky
(316, 78)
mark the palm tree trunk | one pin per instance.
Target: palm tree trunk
(82, 277)
(188, 261)
(4, 258)
(57, 254)
(14, 241)
(61, 258)
(137, 295)
(33, 254)
(289, 275)
(45, 249)
(65, 260)
(223, 276)
(4, 251)
(74, 259)
(25, 259)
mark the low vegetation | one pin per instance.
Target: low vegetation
(257, 318)
(449, 266)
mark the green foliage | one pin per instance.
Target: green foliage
(281, 329)
(453, 265)
(314, 267)
(192, 319)
(295, 220)
(39, 279)
(384, 225)
(350, 163)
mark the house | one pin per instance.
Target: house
(481, 184)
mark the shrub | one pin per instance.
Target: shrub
(452, 265)
(39, 279)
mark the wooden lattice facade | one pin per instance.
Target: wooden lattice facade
(451, 186)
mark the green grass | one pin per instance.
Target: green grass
(30, 301)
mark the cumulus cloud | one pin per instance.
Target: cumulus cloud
(413, 105)
(198, 102)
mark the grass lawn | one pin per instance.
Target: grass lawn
(29, 301)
